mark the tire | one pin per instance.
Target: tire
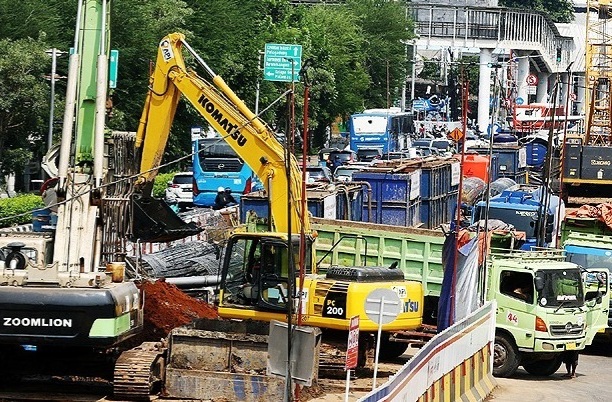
(389, 349)
(543, 368)
(505, 356)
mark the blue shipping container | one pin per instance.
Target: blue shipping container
(390, 198)
(321, 204)
(349, 203)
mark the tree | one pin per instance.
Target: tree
(385, 28)
(24, 104)
(339, 79)
(557, 10)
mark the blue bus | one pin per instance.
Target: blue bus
(215, 164)
(386, 129)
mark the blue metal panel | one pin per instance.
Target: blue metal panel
(507, 160)
(435, 181)
(390, 198)
(351, 209)
(257, 203)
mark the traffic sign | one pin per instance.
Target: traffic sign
(456, 134)
(573, 97)
(282, 62)
(519, 101)
(532, 79)
(112, 68)
(383, 306)
(352, 347)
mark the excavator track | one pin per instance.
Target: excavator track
(139, 371)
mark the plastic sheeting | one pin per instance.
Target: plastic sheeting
(460, 299)
(603, 212)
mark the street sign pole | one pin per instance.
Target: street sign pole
(380, 316)
(352, 352)
(382, 306)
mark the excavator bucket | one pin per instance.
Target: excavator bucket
(154, 221)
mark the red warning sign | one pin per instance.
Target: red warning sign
(352, 347)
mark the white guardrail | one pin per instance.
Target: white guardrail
(455, 364)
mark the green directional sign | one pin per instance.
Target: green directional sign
(112, 68)
(281, 60)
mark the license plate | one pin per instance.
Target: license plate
(570, 346)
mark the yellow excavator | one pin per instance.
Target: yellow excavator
(260, 279)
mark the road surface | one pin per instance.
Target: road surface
(592, 382)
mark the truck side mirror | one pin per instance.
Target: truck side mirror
(594, 296)
(538, 281)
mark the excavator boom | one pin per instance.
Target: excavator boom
(250, 137)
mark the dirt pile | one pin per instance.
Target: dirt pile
(167, 307)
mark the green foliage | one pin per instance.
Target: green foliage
(15, 160)
(384, 26)
(25, 96)
(355, 49)
(17, 210)
(557, 10)
(161, 183)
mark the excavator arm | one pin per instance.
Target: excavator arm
(249, 136)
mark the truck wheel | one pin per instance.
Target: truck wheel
(543, 367)
(390, 349)
(505, 356)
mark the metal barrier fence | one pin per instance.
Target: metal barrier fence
(456, 364)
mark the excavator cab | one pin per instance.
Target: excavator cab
(258, 273)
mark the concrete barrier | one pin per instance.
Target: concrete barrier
(455, 365)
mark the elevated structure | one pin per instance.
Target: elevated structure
(533, 38)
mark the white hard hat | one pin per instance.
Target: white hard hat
(220, 189)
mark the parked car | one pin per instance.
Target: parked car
(324, 155)
(341, 157)
(389, 156)
(345, 173)
(180, 189)
(316, 173)
(368, 154)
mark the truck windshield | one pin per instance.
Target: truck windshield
(562, 287)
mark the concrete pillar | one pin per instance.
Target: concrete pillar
(580, 95)
(484, 89)
(521, 76)
(564, 89)
(542, 90)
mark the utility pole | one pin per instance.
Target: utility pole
(259, 53)
(54, 53)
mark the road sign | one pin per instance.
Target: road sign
(352, 348)
(383, 306)
(456, 134)
(573, 97)
(519, 101)
(112, 68)
(281, 60)
(532, 79)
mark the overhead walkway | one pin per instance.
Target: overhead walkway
(533, 38)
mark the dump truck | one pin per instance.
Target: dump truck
(561, 307)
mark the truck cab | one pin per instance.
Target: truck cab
(542, 310)
(591, 251)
